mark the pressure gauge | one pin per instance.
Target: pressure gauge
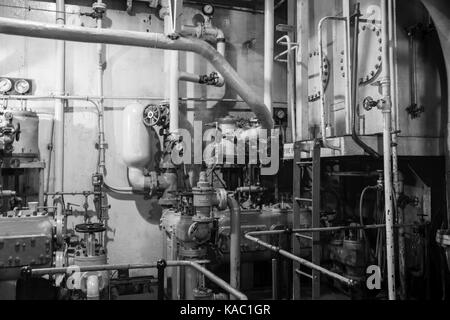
(281, 114)
(22, 86)
(5, 85)
(208, 9)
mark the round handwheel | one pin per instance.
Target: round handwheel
(152, 115)
(90, 227)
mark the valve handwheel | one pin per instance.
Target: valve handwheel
(90, 227)
(152, 115)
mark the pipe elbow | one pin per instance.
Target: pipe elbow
(139, 181)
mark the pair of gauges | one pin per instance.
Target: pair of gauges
(21, 86)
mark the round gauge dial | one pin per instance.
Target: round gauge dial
(208, 9)
(281, 114)
(22, 86)
(5, 85)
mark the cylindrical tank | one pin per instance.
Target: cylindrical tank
(136, 145)
(27, 145)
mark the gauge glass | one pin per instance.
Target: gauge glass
(5, 85)
(22, 86)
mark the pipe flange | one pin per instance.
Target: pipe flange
(314, 76)
(99, 7)
(191, 253)
(221, 198)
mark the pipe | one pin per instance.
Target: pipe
(347, 281)
(147, 40)
(269, 27)
(387, 144)
(197, 265)
(354, 85)
(395, 124)
(87, 98)
(301, 69)
(322, 89)
(60, 57)
(274, 279)
(101, 132)
(139, 181)
(235, 242)
(92, 288)
(202, 32)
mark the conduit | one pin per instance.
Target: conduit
(146, 40)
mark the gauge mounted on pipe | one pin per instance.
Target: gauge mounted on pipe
(208, 10)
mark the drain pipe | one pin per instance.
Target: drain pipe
(386, 107)
(147, 40)
(59, 103)
(269, 26)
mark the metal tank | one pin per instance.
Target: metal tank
(27, 145)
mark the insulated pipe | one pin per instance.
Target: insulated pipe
(235, 242)
(387, 145)
(60, 57)
(269, 29)
(146, 40)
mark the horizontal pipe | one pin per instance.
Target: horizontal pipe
(197, 265)
(329, 229)
(146, 40)
(81, 98)
(347, 281)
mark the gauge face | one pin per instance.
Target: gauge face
(208, 9)
(22, 86)
(5, 85)
(281, 114)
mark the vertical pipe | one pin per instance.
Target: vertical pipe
(174, 94)
(348, 69)
(395, 126)
(302, 106)
(101, 146)
(59, 103)
(387, 144)
(291, 61)
(161, 266)
(269, 27)
(235, 243)
(274, 280)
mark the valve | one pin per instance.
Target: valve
(152, 115)
(369, 103)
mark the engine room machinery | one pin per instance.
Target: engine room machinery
(356, 204)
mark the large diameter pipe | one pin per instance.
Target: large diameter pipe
(59, 104)
(146, 40)
(269, 27)
(387, 144)
(235, 242)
